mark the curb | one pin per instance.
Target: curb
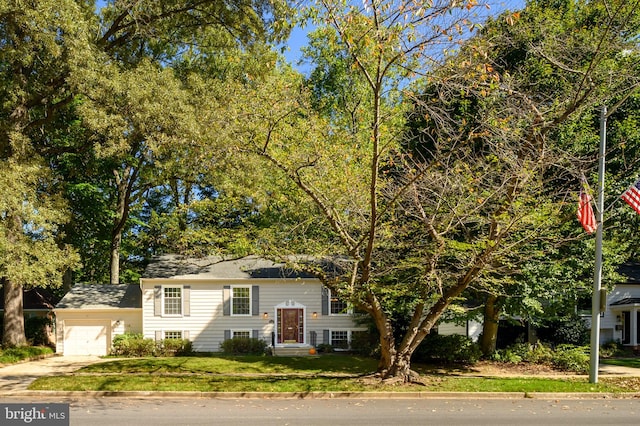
(323, 395)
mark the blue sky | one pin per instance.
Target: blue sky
(298, 37)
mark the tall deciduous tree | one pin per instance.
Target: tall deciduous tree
(56, 60)
(39, 46)
(426, 227)
(139, 102)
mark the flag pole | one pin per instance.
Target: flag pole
(597, 273)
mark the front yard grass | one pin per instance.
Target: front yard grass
(14, 355)
(296, 374)
(624, 362)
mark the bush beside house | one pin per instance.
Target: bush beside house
(135, 345)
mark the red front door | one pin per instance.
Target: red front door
(290, 325)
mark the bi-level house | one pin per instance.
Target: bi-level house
(207, 301)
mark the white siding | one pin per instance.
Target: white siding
(622, 292)
(472, 329)
(206, 323)
(610, 319)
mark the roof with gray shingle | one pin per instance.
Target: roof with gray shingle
(627, 301)
(102, 296)
(630, 272)
(175, 266)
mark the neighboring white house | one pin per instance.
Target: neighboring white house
(621, 320)
(470, 328)
(206, 301)
(619, 323)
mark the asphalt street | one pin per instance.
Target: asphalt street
(450, 412)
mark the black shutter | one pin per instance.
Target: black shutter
(226, 300)
(157, 301)
(255, 300)
(325, 301)
(186, 300)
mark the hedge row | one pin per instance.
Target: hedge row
(135, 345)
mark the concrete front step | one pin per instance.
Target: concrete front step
(292, 350)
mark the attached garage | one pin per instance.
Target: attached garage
(86, 337)
(89, 316)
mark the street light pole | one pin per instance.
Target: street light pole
(597, 273)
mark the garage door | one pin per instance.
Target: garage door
(86, 338)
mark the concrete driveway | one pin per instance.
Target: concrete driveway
(17, 377)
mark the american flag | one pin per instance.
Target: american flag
(632, 196)
(585, 213)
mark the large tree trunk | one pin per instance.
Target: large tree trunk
(124, 185)
(114, 261)
(489, 339)
(13, 328)
(394, 364)
(13, 325)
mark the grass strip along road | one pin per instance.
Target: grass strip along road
(327, 373)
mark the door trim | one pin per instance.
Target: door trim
(279, 341)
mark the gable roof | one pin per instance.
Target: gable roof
(36, 298)
(176, 266)
(102, 296)
(627, 301)
(630, 272)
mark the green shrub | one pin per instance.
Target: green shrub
(506, 355)
(13, 355)
(174, 347)
(563, 357)
(615, 349)
(243, 346)
(453, 348)
(540, 353)
(365, 343)
(36, 329)
(325, 348)
(132, 344)
(537, 353)
(572, 330)
(135, 345)
(572, 358)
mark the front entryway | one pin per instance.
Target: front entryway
(290, 326)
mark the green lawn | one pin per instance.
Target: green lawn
(13, 355)
(283, 374)
(218, 364)
(625, 362)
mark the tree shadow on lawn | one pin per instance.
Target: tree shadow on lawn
(151, 365)
(325, 363)
(246, 364)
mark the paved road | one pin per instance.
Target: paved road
(409, 412)
(472, 410)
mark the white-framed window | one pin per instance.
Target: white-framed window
(172, 301)
(240, 334)
(337, 306)
(341, 339)
(173, 335)
(241, 300)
